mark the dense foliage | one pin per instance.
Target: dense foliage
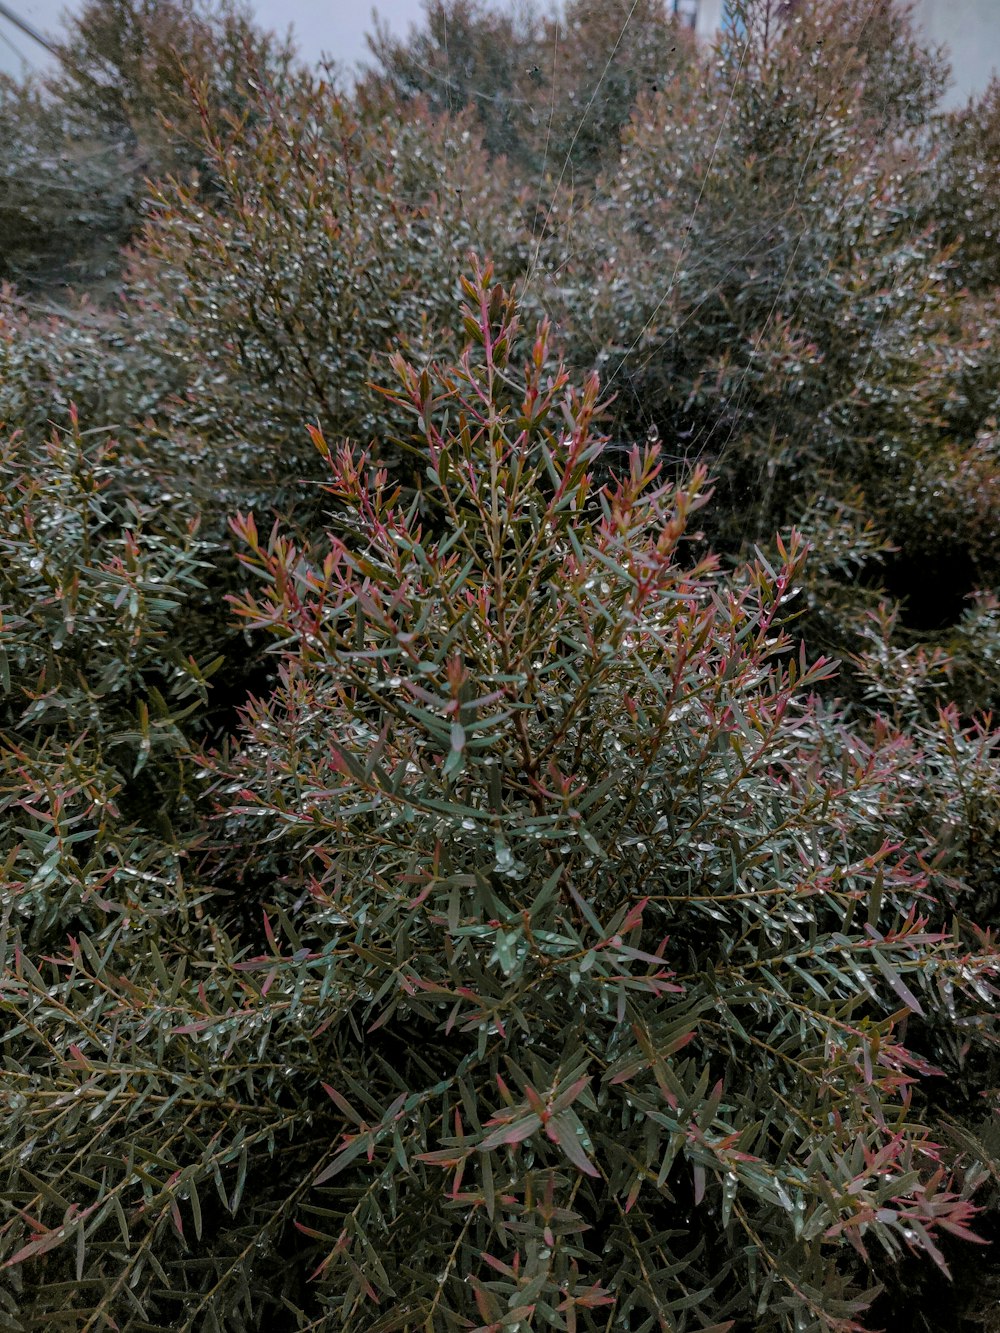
(448, 881)
(551, 92)
(331, 238)
(789, 314)
(125, 104)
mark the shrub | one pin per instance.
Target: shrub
(766, 294)
(550, 946)
(580, 940)
(45, 364)
(464, 55)
(604, 55)
(763, 283)
(128, 66)
(551, 92)
(52, 357)
(96, 688)
(66, 202)
(81, 143)
(334, 236)
(563, 807)
(965, 202)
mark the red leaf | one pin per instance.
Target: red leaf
(634, 916)
(568, 1097)
(39, 1246)
(78, 1055)
(342, 1103)
(512, 1132)
(269, 933)
(309, 1231)
(356, 1145)
(561, 1129)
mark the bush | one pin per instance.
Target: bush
(125, 104)
(762, 283)
(66, 201)
(561, 804)
(505, 919)
(766, 295)
(129, 68)
(965, 203)
(54, 357)
(96, 688)
(580, 941)
(465, 55)
(334, 236)
(550, 92)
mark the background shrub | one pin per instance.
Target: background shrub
(97, 688)
(550, 92)
(334, 234)
(965, 203)
(760, 283)
(124, 105)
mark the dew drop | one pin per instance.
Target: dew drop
(504, 860)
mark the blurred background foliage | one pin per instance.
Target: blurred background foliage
(446, 881)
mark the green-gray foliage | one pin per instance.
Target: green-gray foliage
(334, 236)
(123, 105)
(491, 917)
(552, 956)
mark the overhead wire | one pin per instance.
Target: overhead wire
(28, 29)
(25, 62)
